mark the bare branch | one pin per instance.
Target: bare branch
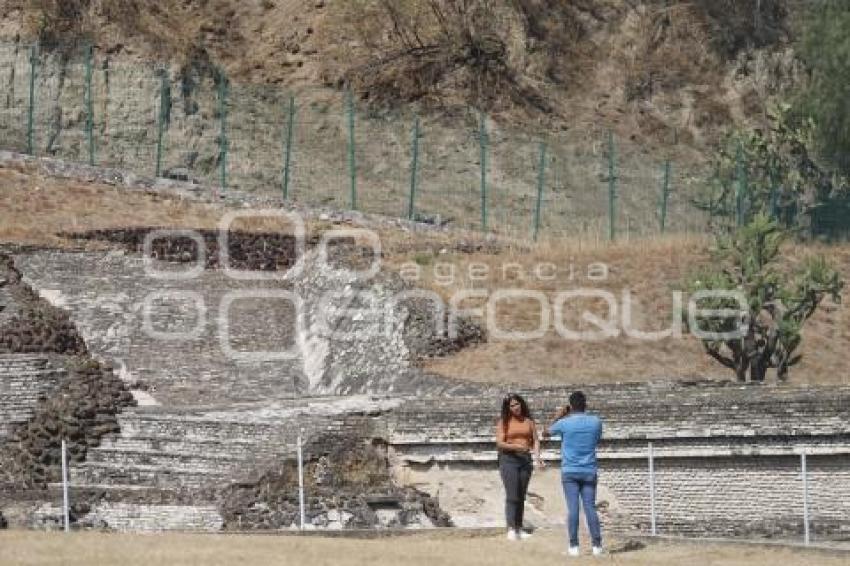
(714, 352)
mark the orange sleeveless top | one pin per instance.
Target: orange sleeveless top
(518, 432)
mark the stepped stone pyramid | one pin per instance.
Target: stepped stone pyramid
(207, 419)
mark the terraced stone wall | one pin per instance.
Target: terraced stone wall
(727, 457)
(24, 381)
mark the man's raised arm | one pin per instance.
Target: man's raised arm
(560, 413)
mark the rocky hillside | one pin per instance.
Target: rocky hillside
(656, 71)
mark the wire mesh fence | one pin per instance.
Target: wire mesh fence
(678, 484)
(324, 147)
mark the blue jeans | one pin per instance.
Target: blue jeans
(581, 485)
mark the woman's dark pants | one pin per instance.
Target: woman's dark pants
(515, 470)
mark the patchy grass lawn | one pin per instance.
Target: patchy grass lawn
(22, 548)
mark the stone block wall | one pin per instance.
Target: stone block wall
(24, 380)
(727, 457)
(141, 518)
(707, 483)
(135, 517)
(732, 495)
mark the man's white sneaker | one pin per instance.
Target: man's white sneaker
(512, 535)
(573, 551)
(524, 535)
(597, 551)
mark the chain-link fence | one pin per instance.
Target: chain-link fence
(324, 147)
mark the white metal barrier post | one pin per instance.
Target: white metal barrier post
(65, 511)
(301, 476)
(805, 498)
(652, 490)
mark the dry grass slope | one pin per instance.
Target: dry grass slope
(666, 77)
(651, 270)
(654, 71)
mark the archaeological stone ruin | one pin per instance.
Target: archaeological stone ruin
(173, 424)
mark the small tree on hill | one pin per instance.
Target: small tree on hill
(772, 171)
(779, 300)
(825, 49)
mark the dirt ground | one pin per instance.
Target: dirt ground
(92, 549)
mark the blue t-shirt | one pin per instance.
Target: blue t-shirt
(580, 434)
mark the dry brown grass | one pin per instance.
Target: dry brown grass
(37, 208)
(645, 70)
(268, 41)
(651, 270)
(93, 549)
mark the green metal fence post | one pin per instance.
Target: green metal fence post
(482, 142)
(740, 185)
(222, 112)
(163, 116)
(774, 194)
(541, 180)
(31, 107)
(287, 164)
(352, 163)
(665, 195)
(414, 166)
(89, 103)
(612, 187)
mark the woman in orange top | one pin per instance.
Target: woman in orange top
(516, 439)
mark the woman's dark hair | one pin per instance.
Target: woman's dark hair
(506, 408)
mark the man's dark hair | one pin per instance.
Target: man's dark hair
(578, 402)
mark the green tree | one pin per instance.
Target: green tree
(770, 171)
(779, 300)
(825, 49)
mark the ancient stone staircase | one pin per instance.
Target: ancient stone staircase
(167, 465)
(24, 380)
(198, 450)
(166, 335)
(173, 450)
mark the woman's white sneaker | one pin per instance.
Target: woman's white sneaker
(573, 551)
(512, 535)
(597, 551)
(524, 535)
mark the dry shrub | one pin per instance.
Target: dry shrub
(668, 48)
(735, 25)
(434, 50)
(560, 34)
(63, 25)
(56, 21)
(487, 52)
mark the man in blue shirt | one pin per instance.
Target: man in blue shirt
(580, 434)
